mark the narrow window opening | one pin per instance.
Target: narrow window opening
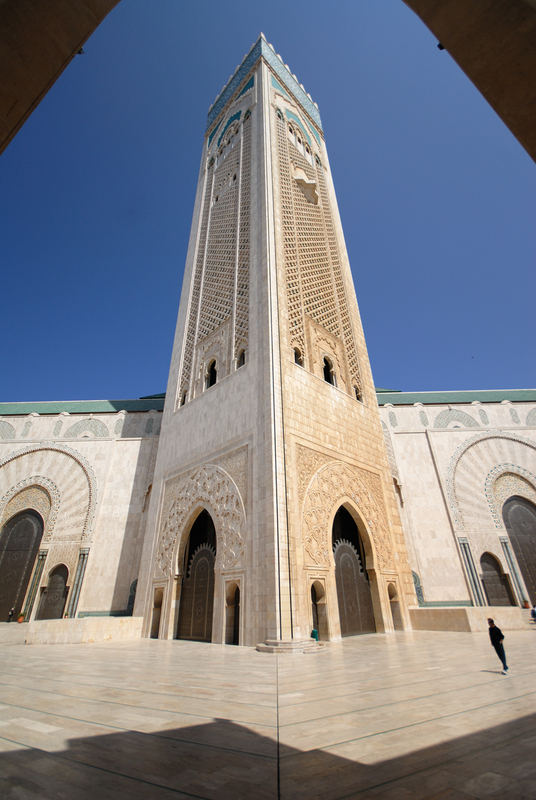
(234, 177)
(183, 399)
(212, 375)
(329, 375)
(298, 357)
(241, 360)
(357, 393)
(247, 115)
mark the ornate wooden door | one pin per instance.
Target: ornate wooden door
(197, 597)
(519, 517)
(353, 591)
(19, 544)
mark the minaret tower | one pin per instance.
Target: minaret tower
(273, 510)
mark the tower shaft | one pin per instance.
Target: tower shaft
(271, 426)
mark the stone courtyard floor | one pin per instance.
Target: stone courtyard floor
(408, 715)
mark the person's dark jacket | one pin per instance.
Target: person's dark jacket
(496, 635)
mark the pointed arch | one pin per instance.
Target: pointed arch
(66, 475)
(472, 471)
(360, 491)
(207, 487)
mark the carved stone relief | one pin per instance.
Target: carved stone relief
(504, 481)
(322, 343)
(71, 477)
(308, 461)
(473, 469)
(339, 480)
(211, 487)
(236, 464)
(35, 492)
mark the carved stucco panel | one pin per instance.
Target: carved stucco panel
(74, 485)
(327, 489)
(308, 461)
(236, 465)
(211, 487)
(37, 492)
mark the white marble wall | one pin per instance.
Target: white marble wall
(451, 460)
(97, 469)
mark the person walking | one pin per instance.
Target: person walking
(497, 638)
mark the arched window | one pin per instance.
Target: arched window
(329, 374)
(298, 357)
(279, 114)
(183, 398)
(357, 393)
(247, 115)
(212, 375)
(241, 360)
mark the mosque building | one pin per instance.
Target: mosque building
(273, 490)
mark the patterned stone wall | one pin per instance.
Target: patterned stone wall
(218, 317)
(314, 281)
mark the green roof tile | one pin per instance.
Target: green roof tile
(433, 398)
(83, 406)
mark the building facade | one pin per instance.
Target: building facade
(267, 496)
(271, 451)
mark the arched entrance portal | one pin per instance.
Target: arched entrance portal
(519, 517)
(495, 583)
(197, 593)
(353, 588)
(53, 598)
(19, 543)
(318, 604)
(232, 615)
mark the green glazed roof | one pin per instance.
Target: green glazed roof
(156, 401)
(480, 395)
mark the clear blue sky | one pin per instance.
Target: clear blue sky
(437, 198)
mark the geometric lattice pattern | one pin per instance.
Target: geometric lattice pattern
(220, 287)
(314, 278)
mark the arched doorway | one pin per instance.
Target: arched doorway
(53, 598)
(197, 592)
(232, 615)
(353, 588)
(519, 517)
(318, 605)
(19, 544)
(157, 611)
(495, 583)
(395, 607)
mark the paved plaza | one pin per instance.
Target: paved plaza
(408, 715)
